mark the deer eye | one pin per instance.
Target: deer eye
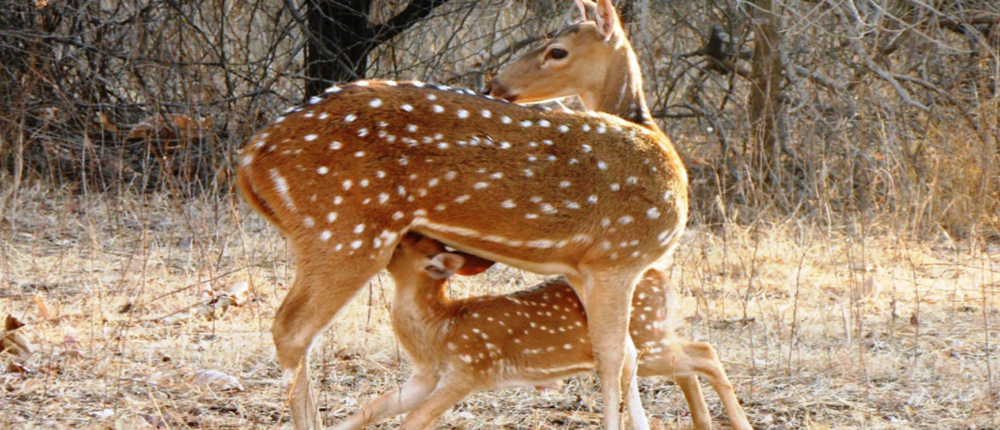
(558, 53)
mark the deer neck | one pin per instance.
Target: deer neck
(418, 299)
(622, 94)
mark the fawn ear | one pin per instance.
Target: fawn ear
(474, 265)
(444, 265)
(607, 19)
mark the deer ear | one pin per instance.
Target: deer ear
(583, 6)
(474, 265)
(444, 265)
(607, 19)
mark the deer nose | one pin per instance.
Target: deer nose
(496, 89)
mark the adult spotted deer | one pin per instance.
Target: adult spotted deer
(529, 338)
(588, 196)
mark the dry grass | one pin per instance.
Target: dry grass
(818, 329)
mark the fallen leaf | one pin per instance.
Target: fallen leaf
(215, 380)
(11, 341)
(103, 413)
(12, 323)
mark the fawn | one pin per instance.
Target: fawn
(592, 197)
(529, 338)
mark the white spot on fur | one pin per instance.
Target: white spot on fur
(322, 170)
(331, 217)
(508, 204)
(625, 220)
(463, 114)
(437, 108)
(336, 145)
(486, 113)
(325, 235)
(310, 137)
(653, 213)
(350, 117)
(375, 103)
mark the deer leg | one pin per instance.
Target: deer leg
(607, 299)
(317, 295)
(701, 418)
(395, 402)
(668, 359)
(447, 394)
(704, 361)
(633, 401)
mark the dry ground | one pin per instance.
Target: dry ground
(822, 328)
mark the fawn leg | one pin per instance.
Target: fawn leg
(395, 402)
(705, 361)
(448, 392)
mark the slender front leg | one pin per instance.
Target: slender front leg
(318, 293)
(705, 361)
(701, 418)
(608, 304)
(393, 403)
(448, 393)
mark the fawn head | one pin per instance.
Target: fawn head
(417, 254)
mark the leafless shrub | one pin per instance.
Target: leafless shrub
(883, 110)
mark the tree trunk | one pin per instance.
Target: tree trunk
(341, 37)
(340, 28)
(764, 145)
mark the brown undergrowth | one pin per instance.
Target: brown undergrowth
(818, 328)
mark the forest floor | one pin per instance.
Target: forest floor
(819, 328)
